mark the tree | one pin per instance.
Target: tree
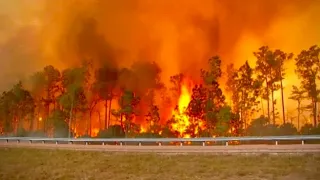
(128, 103)
(114, 131)
(16, 106)
(232, 87)
(148, 82)
(297, 95)
(60, 126)
(262, 127)
(215, 98)
(105, 84)
(248, 90)
(287, 129)
(24, 104)
(153, 119)
(280, 58)
(196, 109)
(266, 68)
(224, 117)
(37, 90)
(176, 82)
(52, 78)
(73, 96)
(91, 94)
(307, 68)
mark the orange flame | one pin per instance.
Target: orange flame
(181, 118)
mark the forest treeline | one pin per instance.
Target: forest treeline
(64, 103)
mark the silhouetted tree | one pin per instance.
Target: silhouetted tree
(248, 92)
(280, 58)
(105, 84)
(297, 95)
(307, 68)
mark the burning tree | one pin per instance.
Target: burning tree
(16, 107)
(215, 98)
(196, 110)
(153, 120)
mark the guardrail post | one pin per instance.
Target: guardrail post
(139, 143)
(302, 142)
(86, 143)
(121, 144)
(18, 141)
(30, 142)
(42, 142)
(160, 144)
(56, 142)
(102, 143)
(227, 143)
(203, 143)
(276, 142)
(7, 140)
(181, 143)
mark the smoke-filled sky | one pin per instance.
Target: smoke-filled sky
(179, 35)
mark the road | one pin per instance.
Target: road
(231, 149)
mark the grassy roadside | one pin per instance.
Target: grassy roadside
(16, 163)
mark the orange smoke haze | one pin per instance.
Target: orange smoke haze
(179, 35)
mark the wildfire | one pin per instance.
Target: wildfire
(95, 131)
(181, 118)
(143, 130)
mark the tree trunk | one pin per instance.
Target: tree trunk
(268, 100)
(47, 103)
(273, 112)
(262, 108)
(110, 101)
(100, 123)
(282, 99)
(106, 114)
(298, 115)
(90, 124)
(315, 112)
(70, 117)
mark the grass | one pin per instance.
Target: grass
(18, 163)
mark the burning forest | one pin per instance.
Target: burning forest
(144, 69)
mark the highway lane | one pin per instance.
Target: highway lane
(231, 149)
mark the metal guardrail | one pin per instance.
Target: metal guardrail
(275, 139)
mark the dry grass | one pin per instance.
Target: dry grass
(36, 164)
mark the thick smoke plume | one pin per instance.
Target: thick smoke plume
(179, 35)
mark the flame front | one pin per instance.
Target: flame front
(180, 114)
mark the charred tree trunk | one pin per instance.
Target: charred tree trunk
(100, 123)
(109, 115)
(90, 123)
(121, 121)
(268, 100)
(70, 118)
(47, 104)
(282, 100)
(106, 121)
(299, 110)
(262, 108)
(273, 111)
(314, 101)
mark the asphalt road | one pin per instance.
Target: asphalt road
(231, 149)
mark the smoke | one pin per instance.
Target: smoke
(178, 35)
